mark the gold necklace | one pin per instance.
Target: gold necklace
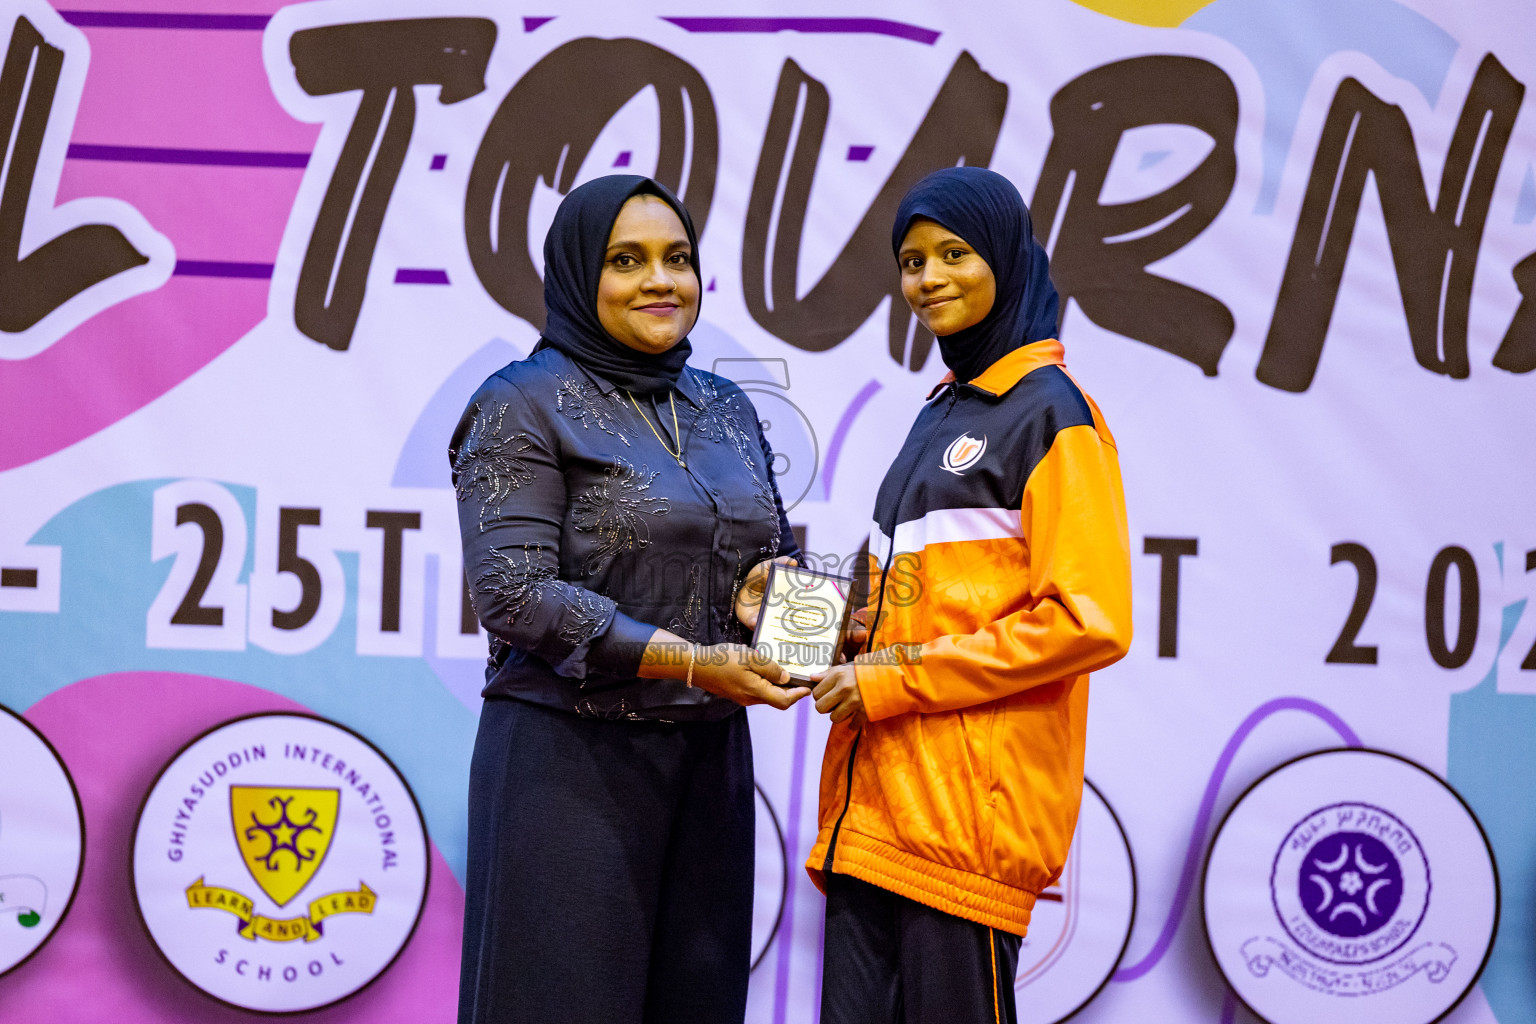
(672, 401)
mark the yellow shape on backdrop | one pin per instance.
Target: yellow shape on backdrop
(1157, 13)
(283, 833)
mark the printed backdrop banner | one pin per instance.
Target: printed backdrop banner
(254, 259)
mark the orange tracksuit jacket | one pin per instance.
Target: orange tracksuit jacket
(1004, 579)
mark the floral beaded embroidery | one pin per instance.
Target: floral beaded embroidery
(498, 649)
(621, 710)
(614, 509)
(588, 613)
(522, 587)
(488, 464)
(686, 624)
(585, 403)
(720, 418)
(519, 586)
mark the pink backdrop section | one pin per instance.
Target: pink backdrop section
(162, 89)
(175, 6)
(116, 732)
(184, 88)
(190, 205)
(121, 360)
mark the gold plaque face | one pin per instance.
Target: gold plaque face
(283, 833)
(802, 619)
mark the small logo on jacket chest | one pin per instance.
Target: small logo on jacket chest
(963, 453)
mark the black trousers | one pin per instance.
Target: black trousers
(891, 960)
(610, 870)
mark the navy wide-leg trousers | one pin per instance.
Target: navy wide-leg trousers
(610, 870)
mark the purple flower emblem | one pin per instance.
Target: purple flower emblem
(1350, 884)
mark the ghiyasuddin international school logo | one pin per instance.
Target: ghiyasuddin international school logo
(283, 835)
(280, 863)
(963, 453)
(1350, 885)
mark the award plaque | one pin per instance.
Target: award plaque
(803, 618)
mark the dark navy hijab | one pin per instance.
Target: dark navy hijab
(573, 262)
(987, 212)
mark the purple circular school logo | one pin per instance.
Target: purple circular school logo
(1352, 929)
(1350, 883)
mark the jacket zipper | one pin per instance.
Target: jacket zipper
(832, 843)
(954, 393)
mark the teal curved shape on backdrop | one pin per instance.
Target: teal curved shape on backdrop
(108, 583)
(1287, 41)
(1492, 764)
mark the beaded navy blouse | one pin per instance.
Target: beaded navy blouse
(583, 532)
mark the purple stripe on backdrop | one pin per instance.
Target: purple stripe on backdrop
(786, 938)
(1228, 1008)
(209, 157)
(861, 26)
(150, 19)
(821, 963)
(417, 275)
(258, 22)
(1207, 810)
(219, 268)
(840, 433)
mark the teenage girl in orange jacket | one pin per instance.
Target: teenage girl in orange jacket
(954, 769)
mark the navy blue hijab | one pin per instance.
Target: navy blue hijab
(573, 263)
(987, 212)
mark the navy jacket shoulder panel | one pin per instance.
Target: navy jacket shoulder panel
(1052, 400)
(968, 449)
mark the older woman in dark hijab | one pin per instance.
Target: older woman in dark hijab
(954, 767)
(612, 500)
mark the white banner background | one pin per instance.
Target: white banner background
(1377, 451)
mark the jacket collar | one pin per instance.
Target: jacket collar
(999, 378)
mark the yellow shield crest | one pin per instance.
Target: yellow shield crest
(283, 833)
